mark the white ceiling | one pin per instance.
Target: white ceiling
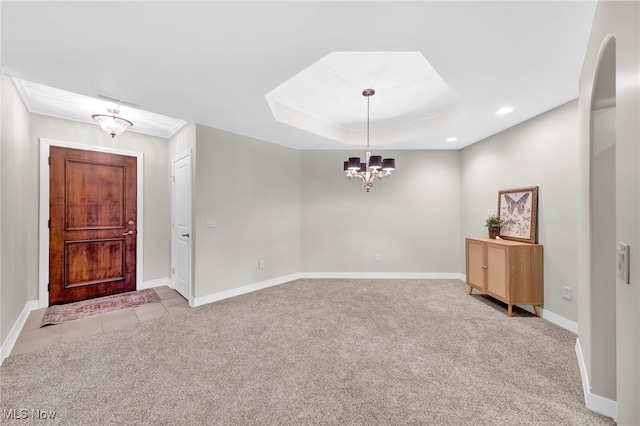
(327, 98)
(214, 62)
(59, 103)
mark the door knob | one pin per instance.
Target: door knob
(185, 235)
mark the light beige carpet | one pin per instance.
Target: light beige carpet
(315, 352)
(59, 314)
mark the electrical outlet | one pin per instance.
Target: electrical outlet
(566, 292)
(491, 212)
(261, 264)
(376, 257)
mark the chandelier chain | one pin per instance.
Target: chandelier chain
(368, 111)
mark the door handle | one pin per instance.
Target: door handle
(185, 235)
(129, 232)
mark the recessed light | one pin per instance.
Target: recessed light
(505, 110)
(452, 139)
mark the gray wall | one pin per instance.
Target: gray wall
(252, 190)
(622, 20)
(157, 187)
(19, 209)
(539, 152)
(411, 218)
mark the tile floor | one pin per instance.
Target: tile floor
(33, 338)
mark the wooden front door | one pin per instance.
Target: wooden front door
(92, 235)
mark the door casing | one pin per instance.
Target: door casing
(43, 255)
(175, 230)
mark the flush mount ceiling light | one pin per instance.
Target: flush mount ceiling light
(374, 166)
(112, 124)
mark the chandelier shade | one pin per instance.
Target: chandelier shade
(389, 164)
(112, 124)
(354, 163)
(374, 166)
(375, 162)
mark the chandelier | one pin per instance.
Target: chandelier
(374, 166)
(112, 124)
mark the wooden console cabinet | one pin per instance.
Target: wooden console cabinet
(509, 271)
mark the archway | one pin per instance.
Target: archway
(602, 189)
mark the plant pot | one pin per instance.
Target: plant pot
(493, 233)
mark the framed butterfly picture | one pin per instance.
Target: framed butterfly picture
(518, 208)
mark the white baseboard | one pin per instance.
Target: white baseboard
(594, 402)
(203, 300)
(10, 341)
(558, 320)
(155, 283)
(384, 275)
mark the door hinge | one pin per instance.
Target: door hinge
(173, 179)
(49, 223)
(48, 287)
(173, 271)
(49, 160)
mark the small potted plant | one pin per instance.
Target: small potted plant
(494, 223)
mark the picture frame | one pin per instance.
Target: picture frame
(518, 207)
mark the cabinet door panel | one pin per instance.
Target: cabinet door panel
(475, 264)
(497, 271)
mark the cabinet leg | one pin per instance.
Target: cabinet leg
(535, 309)
(470, 289)
(509, 311)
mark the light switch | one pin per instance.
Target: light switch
(211, 222)
(622, 261)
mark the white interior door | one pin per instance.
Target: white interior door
(181, 226)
